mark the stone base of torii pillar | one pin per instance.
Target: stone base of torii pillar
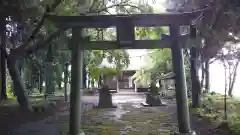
(82, 133)
(190, 133)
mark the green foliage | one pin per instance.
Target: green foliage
(213, 108)
(153, 89)
(34, 24)
(9, 89)
(150, 33)
(109, 72)
(142, 78)
(195, 110)
(235, 126)
(159, 62)
(119, 59)
(162, 61)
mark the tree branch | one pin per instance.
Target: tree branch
(48, 10)
(111, 6)
(221, 11)
(21, 52)
(41, 22)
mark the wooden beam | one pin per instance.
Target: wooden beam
(138, 20)
(125, 31)
(137, 44)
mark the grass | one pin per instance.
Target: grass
(99, 125)
(213, 110)
(34, 99)
(147, 121)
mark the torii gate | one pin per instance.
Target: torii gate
(125, 25)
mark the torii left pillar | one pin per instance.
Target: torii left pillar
(76, 82)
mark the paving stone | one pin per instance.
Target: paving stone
(43, 127)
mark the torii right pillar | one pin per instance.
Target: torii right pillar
(180, 82)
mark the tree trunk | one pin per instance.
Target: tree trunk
(196, 88)
(92, 83)
(100, 81)
(89, 81)
(207, 79)
(41, 81)
(59, 85)
(3, 59)
(233, 79)
(50, 87)
(19, 87)
(202, 75)
(3, 79)
(66, 82)
(225, 93)
(84, 74)
(117, 84)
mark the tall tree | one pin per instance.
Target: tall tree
(3, 95)
(230, 57)
(30, 17)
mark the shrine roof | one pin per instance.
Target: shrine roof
(167, 76)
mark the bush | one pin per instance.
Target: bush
(9, 89)
(213, 105)
(235, 127)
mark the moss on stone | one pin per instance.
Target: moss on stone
(147, 121)
(64, 128)
(137, 121)
(103, 127)
(94, 112)
(195, 110)
(144, 116)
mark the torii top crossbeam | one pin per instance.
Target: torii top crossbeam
(138, 20)
(125, 28)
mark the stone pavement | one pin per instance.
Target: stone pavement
(48, 126)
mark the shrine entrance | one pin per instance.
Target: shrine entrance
(125, 29)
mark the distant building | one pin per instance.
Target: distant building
(167, 84)
(123, 81)
(167, 81)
